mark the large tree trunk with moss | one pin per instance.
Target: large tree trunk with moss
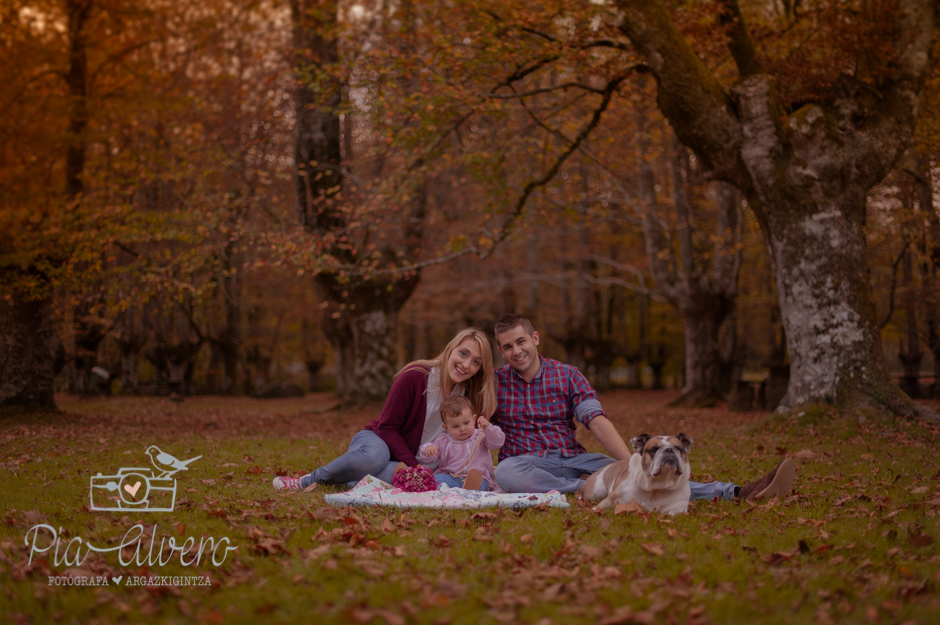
(826, 304)
(365, 344)
(361, 312)
(28, 351)
(805, 174)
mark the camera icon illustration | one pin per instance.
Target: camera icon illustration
(141, 489)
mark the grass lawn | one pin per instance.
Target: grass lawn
(856, 541)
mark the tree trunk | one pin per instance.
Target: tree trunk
(75, 375)
(656, 358)
(733, 356)
(230, 341)
(836, 355)
(130, 338)
(805, 173)
(927, 223)
(363, 330)
(634, 360)
(28, 350)
(362, 312)
(702, 361)
(703, 295)
(130, 381)
(344, 353)
(911, 355)
(374, 342)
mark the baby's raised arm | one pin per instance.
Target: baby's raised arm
(493, 437)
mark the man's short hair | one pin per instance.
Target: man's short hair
(453, 407)
(509, 321)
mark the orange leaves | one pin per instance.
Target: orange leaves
(264, 544)
(566, 549)
(590, 551)
(774, 559)
(387, 616)
(653, 549)
(626, 614)
(270, 547)
(918, 538)
(628, 508)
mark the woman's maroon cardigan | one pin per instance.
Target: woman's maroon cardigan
(402, 420)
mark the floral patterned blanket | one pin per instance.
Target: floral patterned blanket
(371, 491)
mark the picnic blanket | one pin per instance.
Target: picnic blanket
(371, 491)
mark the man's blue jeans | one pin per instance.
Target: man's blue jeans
(367, 455)
(540, 474)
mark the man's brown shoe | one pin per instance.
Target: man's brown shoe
(474, 480)
(777, 483)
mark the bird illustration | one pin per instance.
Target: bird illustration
(166, 463)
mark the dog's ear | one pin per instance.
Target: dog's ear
(639, 442)
(686, 441)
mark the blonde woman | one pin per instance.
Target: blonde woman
(411, 416)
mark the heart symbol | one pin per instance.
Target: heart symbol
(117, 580)
(132, 491)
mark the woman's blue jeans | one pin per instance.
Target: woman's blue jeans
(367, 455)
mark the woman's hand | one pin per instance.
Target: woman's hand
(482, 423)
(430, 450)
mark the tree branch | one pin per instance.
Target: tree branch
(659, 248)
(522, 72)
(534, 92)
(740, 43)
(689, 94)
(604, 43)
(541, 182)
(886, 133)
(894, 284)
(357, 270)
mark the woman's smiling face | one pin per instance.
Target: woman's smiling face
(464, 361)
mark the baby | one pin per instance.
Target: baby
(463, 450)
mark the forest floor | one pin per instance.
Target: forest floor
(855, 541)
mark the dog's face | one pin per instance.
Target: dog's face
(663, 455)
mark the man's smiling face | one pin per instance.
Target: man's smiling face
(520, 349)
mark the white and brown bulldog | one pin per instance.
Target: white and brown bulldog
(656, 476)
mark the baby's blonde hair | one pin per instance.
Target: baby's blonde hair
(454, 406)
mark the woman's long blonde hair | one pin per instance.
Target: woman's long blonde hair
(481, 388)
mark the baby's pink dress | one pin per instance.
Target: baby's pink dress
(453, 454)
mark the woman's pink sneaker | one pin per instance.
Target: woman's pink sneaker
(290, 483)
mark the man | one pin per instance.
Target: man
(538, 402)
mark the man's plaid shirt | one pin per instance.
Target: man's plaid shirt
(539, 416)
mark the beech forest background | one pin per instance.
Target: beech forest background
(269, 197)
